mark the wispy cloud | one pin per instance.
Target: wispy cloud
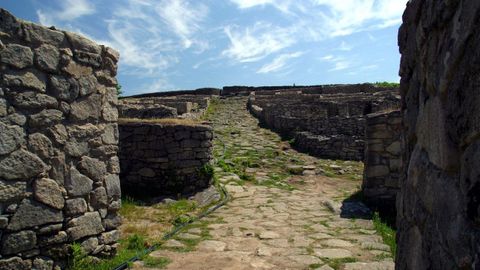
(279, 62)
(255, 43)
(282, 5)
(182, 18)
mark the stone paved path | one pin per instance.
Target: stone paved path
(268, 224)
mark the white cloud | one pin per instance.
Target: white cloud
(345, 47)
(255, 43)
(158, 85)
(182, 18)
(340, 65)
(282, 5)
(69, 11)
(279, 62)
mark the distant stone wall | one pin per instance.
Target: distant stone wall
(328, 126)
(59, 169)
(383, 159)
(144, 111)
(164, 159)
(439, 204)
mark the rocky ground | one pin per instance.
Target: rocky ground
(287, 209)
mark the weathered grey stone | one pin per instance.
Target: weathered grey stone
(78, 184)
(93, 168)
(11, 137)
(59, 168)
(98, 198)
(48, 192)
(115, 206)
(14, 119)
(81, 43)
(64, 89)
(76, 70)
(109, 237)
(15, 263)
(3, 107)
(86, 225)
(75, 148)
(39, 34)
(87, 85)
(46, 118)
(18, 242)
(112, 222)
(47, 57)
(50, 229)
(21, 165)
(17, 56)
(58, 133)
(42, 264)
(27, 79)
(110, 113)
(110, 134)
(59, 238)
(395, 148)
(89, 245)
(40, 145)
(75, 207)
(112, 183)
(88, 108)
(377, 171)
(33, 100)
(31, 214)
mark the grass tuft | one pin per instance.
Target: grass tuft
(388, 234)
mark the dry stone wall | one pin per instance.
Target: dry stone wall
(328, 125)
(438, 208)
(58, 146)
(164, 159)
(383, 159)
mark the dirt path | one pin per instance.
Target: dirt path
(285, 211)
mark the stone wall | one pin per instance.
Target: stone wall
(328, 125)
(58, 145)
(439, 205)
(383, 159)
(164, 159)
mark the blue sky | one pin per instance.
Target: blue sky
(187, 44)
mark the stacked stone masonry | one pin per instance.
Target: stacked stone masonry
(383, 159)
(438, 207)
(183, 106)
(326, 125)
(164, 159)
(59, 168)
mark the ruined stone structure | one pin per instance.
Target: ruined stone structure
(327, 125)
(439, 205)
(164, 158)
(184, 106)
(383, 159)
(59, 169)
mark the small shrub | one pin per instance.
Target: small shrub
(136, 242)
(161, 262)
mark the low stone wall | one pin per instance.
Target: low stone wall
(59, 169)
(438, 218)
(164, 159)
(383, 160)
(328, 126)
(144, 111)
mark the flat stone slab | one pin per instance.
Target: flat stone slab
(188, 236)
(305, 259)
(336, 243)
(211, 245)
(369, 266)
(333, 253)
(269, 235)
(172, 243)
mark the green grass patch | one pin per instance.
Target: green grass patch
(154, 262)
(387, 84)
(388, 234)
(336, 263)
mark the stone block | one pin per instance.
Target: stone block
(21, 165)
(86, 225)
(74, 207)
(112, 184)
(18, 242)
(377, 171)
(11, 138)
(109, 237)
(59, 238)
(17, 56)
(93, 168)
(28, 79)
(78, 184)
(47, 57)
(40, 145)
(48, 192)
(46, 118)
(30, 214)
(15, 263)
